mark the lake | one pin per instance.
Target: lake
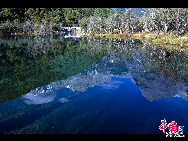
(58, 85)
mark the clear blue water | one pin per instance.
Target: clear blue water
(90, 86)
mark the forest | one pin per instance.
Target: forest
(45, 21)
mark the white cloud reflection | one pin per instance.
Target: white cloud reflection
(113, 84)
(30, 98)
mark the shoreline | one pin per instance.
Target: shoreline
(166, 40)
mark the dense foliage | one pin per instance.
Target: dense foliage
(44, 21)
(154, 19)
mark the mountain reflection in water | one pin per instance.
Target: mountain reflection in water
(153, 86)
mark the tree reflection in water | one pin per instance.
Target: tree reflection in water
(28, 63)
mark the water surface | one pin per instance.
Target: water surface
(80, 86)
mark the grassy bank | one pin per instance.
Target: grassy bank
(110, 35)
(162, 38)
(167, 40)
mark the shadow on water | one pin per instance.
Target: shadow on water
(89, 85)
